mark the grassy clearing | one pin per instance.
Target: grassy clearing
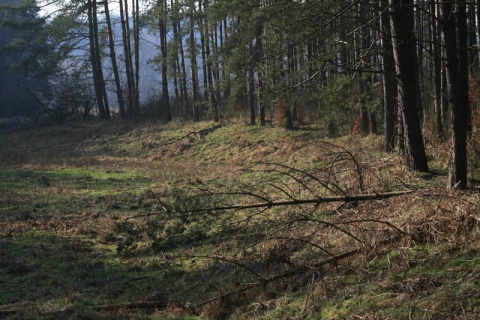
(107, 221)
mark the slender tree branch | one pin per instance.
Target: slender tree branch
(345, 198)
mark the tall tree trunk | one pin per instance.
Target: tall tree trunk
(226, 78)
(364, 120)
(163, 47)
(209, 69)
(98, 58)
(477, 7)
(462, 52)
(128, 60)
(373, 124)
(175, 73)
(194, 67)
(437, 70)
(259, 30)
(177, 33)
(472, 35)
(201, 28)
(216, 72)
(458, 100)
(402, 23)
(94, 59)
(251, 87)
(419, 27)
(136, 47)
(389, 80)
(113, 58)
(183, 69)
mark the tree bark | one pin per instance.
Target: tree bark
(98, 58)
(258, 53)
(402, 24)
(251, 96)
(95, 62)
(437, 70)
(457, 99)
(477, 7)
(472, 35)
(178, 36)
(193, 64)
(136, 47)
(128, 57)
(210, 74)
(389, 80)
(163, 48)
(201, 28)
(113, 58)
(373, 124)
(364, 120)
(462, 53)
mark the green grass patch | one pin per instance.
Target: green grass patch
(86, 180)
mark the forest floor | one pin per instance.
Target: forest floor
(202, 221)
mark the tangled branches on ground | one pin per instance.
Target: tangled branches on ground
(275, 222)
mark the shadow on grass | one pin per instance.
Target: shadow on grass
(43, 274)
(46, 276)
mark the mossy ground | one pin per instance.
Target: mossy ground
(72, 200)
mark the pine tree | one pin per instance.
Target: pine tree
(402, 24)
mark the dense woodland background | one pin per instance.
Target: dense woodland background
(345, 65)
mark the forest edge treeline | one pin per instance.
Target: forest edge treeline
(283, 61)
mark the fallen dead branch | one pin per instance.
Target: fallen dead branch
(294, 202)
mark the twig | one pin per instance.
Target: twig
(331, 225)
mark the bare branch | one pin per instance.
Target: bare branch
(296, 202)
